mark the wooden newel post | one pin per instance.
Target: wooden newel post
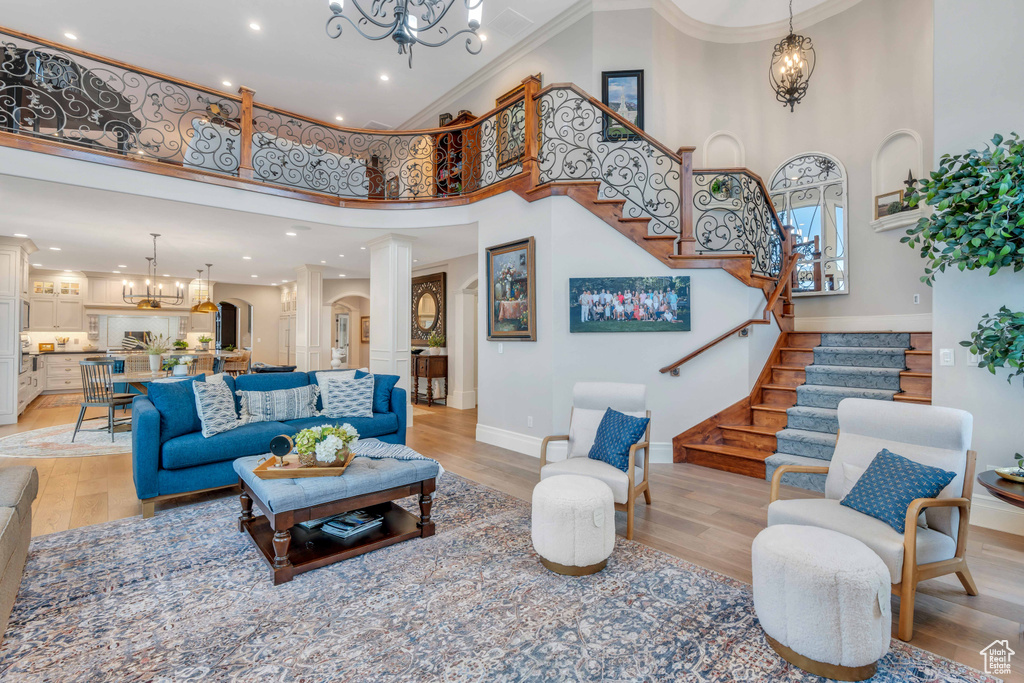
(531, 151)
(245, 134)
(686, 200)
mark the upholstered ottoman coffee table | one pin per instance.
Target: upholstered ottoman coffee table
(822, 599)
(368, 483)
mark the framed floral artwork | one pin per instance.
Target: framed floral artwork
(512, 292)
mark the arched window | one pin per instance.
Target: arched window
(809, 193)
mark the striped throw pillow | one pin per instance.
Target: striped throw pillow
(279, 405)
(348, 397)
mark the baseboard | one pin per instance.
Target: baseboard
(915, 322)
(530, 445)
(991, 513)
(462, 400)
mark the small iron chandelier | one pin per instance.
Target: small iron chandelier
(405, 20)
(154, 296)
(792, 65)
(206, 306)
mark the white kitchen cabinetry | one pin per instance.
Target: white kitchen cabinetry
(62, 372)
(57, 303)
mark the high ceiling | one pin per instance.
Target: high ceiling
(743, 13)
(96, 230)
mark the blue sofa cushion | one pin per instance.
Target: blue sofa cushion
(378, 425)
(382, 386)
(194, 449)
(176, 403)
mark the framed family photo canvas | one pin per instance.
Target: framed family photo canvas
(512, 292)
(629, 304)
(623, 93)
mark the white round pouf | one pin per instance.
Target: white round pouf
(822, 599)
(573, 524)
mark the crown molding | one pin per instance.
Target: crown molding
(725, 34)
(422, 119)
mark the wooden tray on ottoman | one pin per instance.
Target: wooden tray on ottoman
(293, 470)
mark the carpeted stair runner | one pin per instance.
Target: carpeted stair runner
(846, 365)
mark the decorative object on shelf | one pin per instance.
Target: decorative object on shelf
(408, 22)
(999, 341)
(180, 344)
(204, 341)
(429, 307)
(623, 92)
(629, 304)
(326, 446)
(888, 204)
(45, 346)
(336, 355)
(156, 346)
(154, 296)
(792, 66)
(1013, 473)
(511, 291)
(178, 365)
(62, 342)
(364, 329)
(206, 306)
(280, 446)
(437, 344)
(444, 119)
(985, 226)
(909, 182)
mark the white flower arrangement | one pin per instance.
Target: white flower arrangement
(324, 442)
(327, 450)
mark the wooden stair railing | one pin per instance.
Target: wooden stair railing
(765, 319)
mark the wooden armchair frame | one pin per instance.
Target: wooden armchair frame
(635, 489)
(913, 573)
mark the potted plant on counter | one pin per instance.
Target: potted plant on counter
(178, 365)
(156, 347)
(437, 342)
(180, 344)
(204, 341)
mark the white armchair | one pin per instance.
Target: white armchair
(939, 437)
(590, 400)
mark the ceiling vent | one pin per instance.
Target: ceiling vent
(510, 23)
(376, 125)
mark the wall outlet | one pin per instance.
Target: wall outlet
(501, 348)
(917, 298)
(529, 421)
(259, 339)
(947, 357)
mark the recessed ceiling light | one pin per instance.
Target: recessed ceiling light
(254, 276)
(341, 274)
(291, 234)
(116, 272)
(20, 234)
(66, 270)
(247, 258)
(415, 260)
(37, 265)
(339, 118)
(323, 262)
(341, 255)
(121, 266)
(274, 284)
(54, 248)
(165, 275)
(483, 37)
(70, 36)
(384, 77)
(226, 84)
(254, 26)
(363, 248)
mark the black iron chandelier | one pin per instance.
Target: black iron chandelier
(154, 296)
(405, 21)
(792, 65)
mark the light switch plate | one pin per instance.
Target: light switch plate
(946, 357)
(501, 348)
(973, 359)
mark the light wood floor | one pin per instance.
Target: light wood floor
(703, 516)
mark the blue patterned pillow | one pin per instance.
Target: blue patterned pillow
(279, 405)
(348, 397)
(216, 407)
(890, 483)
(616, 433)
(382, 386)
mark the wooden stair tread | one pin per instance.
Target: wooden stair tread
(918, 352)
(770, 408)
(778, 387)
(610, 201)
(636, 219)
(660, 237)
(914, 373)
(752, 429)
(912, 398)
(797, 348)
(732, 451)
(795, 368)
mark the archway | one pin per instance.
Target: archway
(343, 314)
(462, 342)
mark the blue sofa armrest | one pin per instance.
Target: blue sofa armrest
(145, 447)
(399, 406)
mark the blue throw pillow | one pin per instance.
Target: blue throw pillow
(615, 435)
(890, 483)
(382, 386)
(176, 403)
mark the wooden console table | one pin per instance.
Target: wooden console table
(429, 368)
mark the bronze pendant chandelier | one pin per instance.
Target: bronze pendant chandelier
(154, 296)
(792, 65)
(407, 22)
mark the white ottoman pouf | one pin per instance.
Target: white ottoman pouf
(573, 524)
(822, 599)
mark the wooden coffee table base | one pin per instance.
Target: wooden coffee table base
(291, 550)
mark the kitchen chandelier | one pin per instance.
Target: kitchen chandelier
(154, 296)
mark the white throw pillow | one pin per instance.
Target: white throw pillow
(216, 408)
(347, 397)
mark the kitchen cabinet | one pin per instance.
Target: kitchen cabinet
(42, 314)
(62, 372)
(70, 315)
(201, 323)
(57, 303)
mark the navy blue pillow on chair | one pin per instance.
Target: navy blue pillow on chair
(176, 403)
(890, 483)
(615, 435)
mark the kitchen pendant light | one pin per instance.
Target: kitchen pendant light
(207, 306)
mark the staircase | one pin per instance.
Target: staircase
(790, 415)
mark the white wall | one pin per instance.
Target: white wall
(266, 311)
(965, 119)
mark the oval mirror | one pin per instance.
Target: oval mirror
(426, 311)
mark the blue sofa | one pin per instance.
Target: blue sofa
(170, 456)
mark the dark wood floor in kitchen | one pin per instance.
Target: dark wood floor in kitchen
(700, 515)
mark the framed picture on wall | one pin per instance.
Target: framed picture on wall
(623, 93)
(629, 304)
(364, 329)
(888, 203)
(512, 292)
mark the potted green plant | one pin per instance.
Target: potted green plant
(178, 365)
(229, 347)
(180, 344)
(999, 340)
(436, 342)
(326, 446)
(156, 347)
(204, 341)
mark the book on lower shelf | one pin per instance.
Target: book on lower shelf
(347, 524)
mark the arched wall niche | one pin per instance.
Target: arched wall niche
(899, 153)
(723, 149)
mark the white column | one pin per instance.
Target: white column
(13, 278)
(311, 339)
(462, 351)
(391, 307)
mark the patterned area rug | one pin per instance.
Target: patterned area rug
(55, 442)
(59, 401)
(184, 597)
